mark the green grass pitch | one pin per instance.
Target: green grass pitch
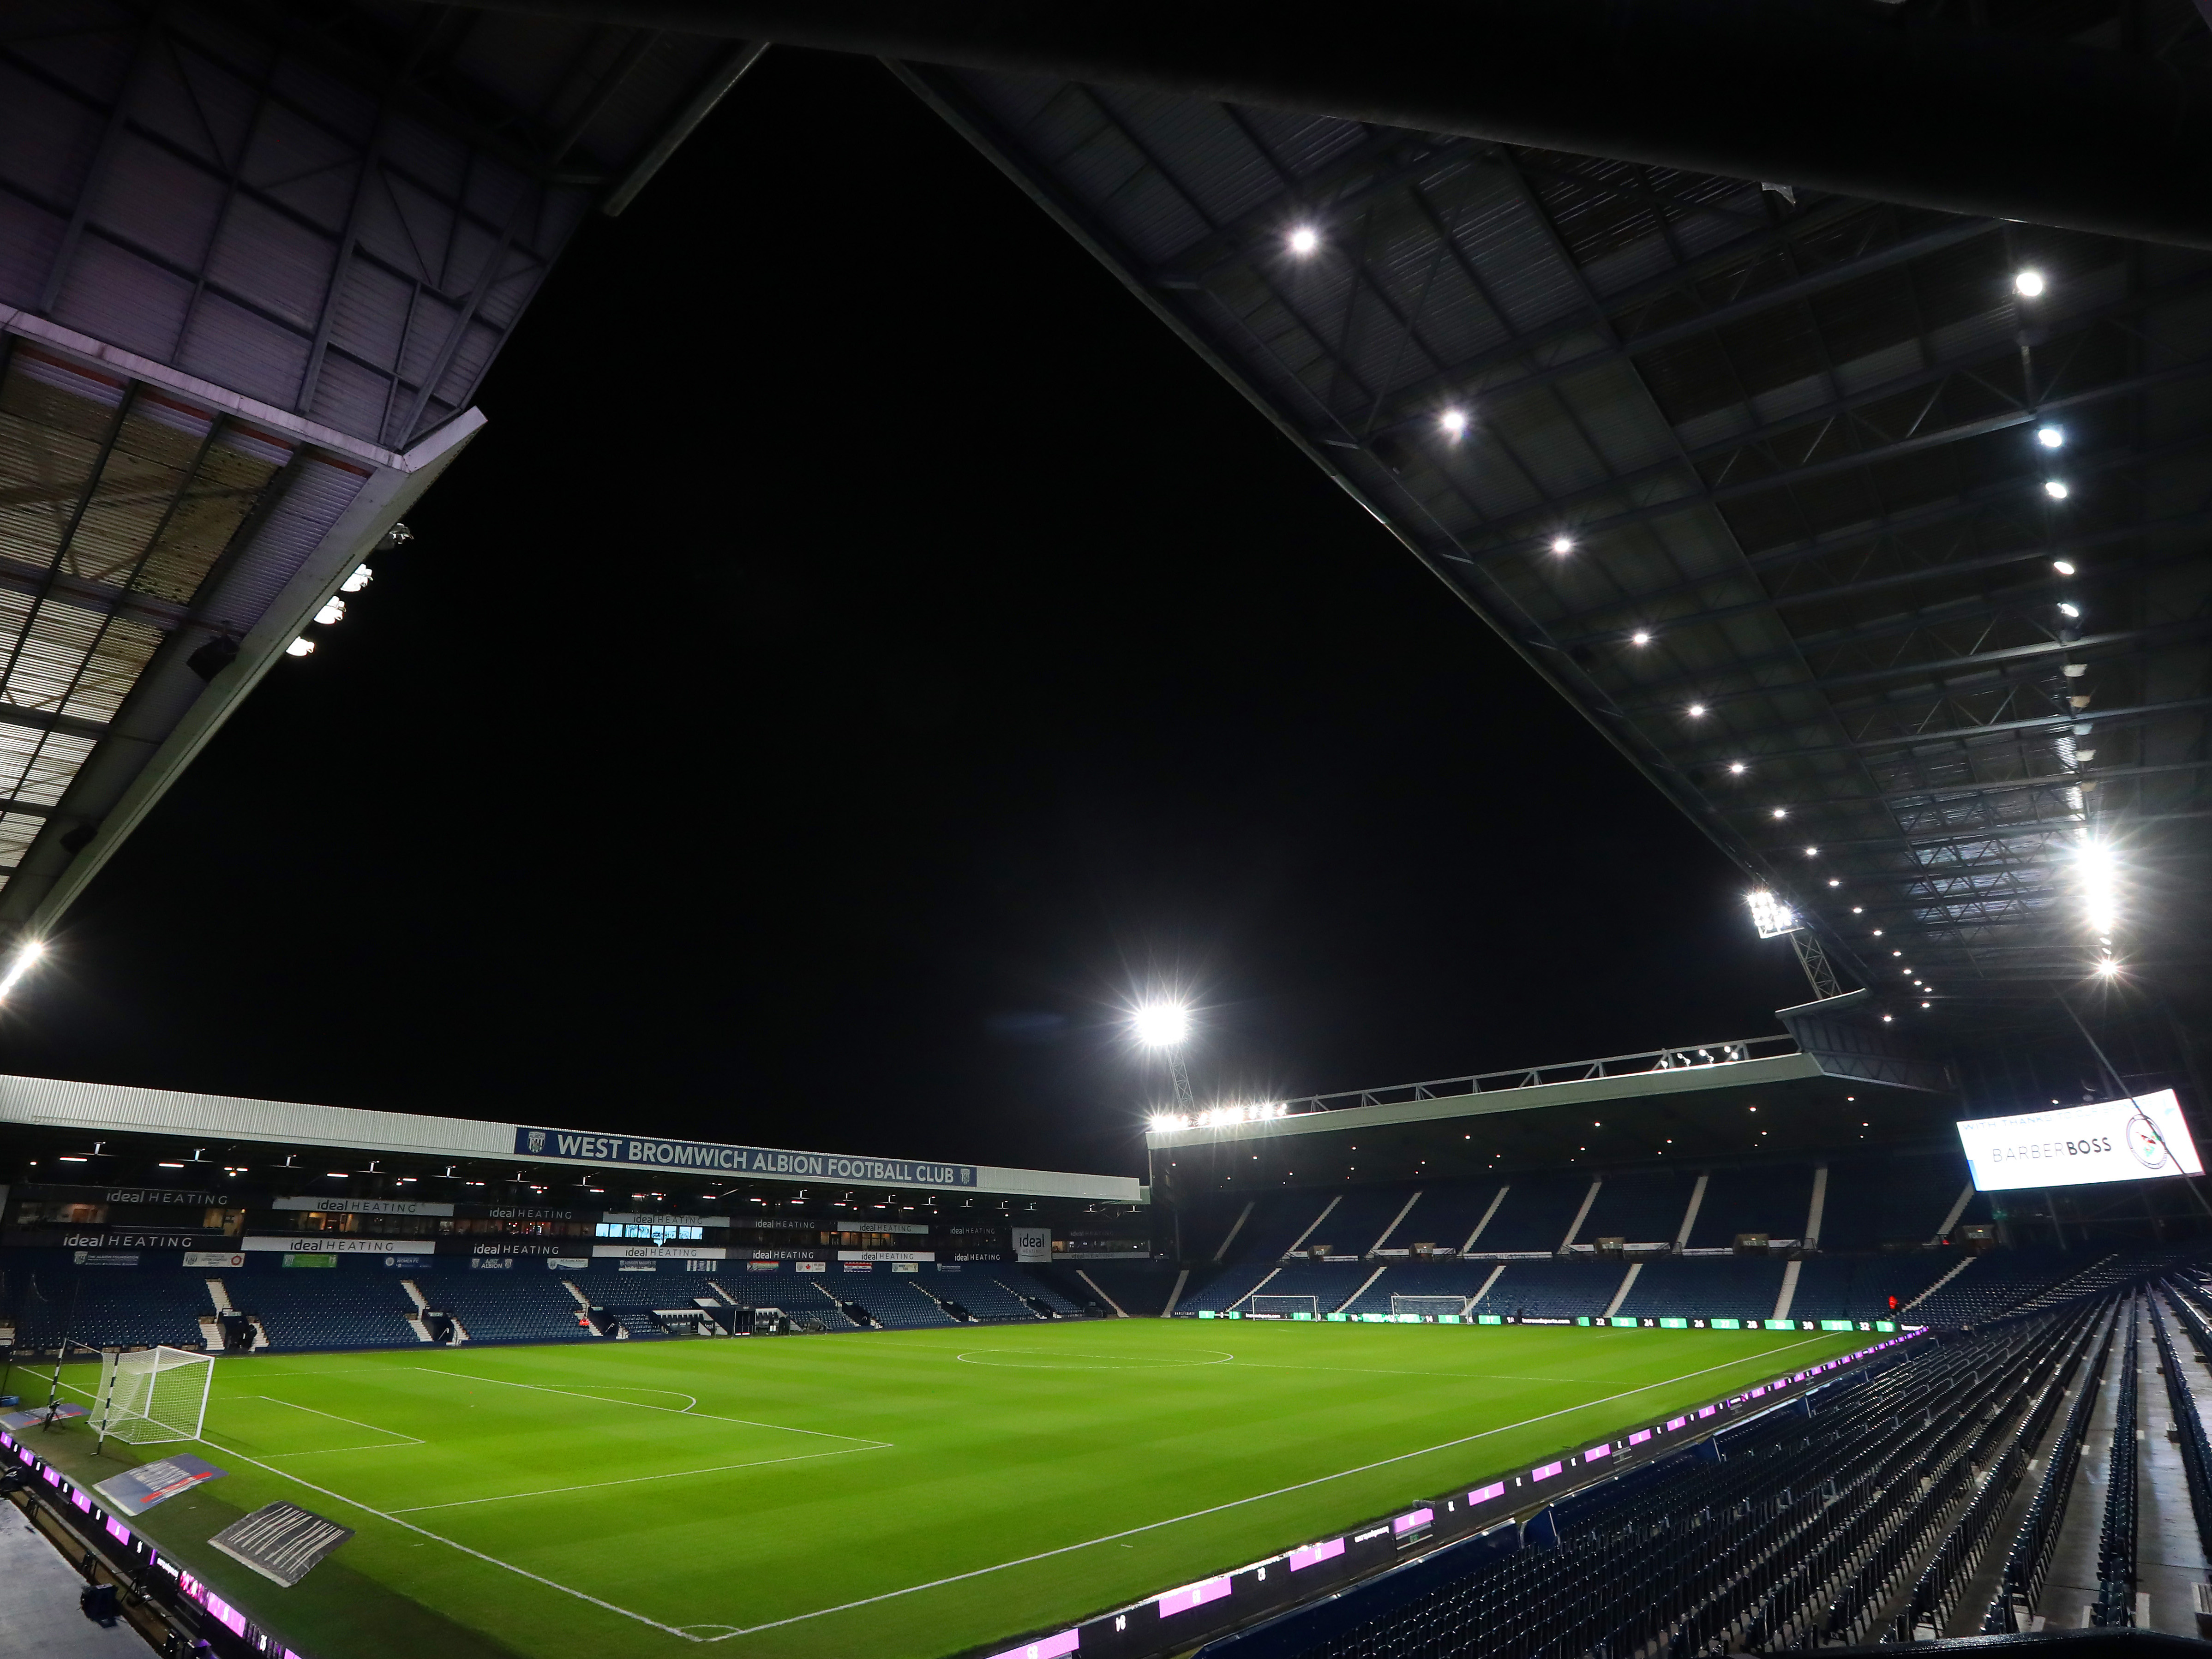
(904, 1495)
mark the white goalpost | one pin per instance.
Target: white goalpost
(1428, 1307)
(153, 1395)
(1285, 1307)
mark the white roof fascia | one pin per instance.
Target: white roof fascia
(112, 1108)
(1680, 1080)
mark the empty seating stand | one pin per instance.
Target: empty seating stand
(1828, 1521)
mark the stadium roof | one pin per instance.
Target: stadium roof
(1841, 1080)
(1756, 477)
(94, 1109)
(253, 268)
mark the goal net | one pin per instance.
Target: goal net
(1428, 1307)
(1285, 1307)
(154, 1396)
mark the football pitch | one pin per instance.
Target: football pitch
(905, 1495)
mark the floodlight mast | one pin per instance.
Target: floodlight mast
(1771, 915)
(1186, 1102)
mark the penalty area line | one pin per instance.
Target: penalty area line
(1239, 1502)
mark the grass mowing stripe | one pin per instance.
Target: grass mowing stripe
(743, 1422)
(1238, 1502)
(626, 1481)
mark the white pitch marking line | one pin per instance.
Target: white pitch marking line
(439, 1538)
(742, 1422)
(373, 1428)
(1256, 1497)
(632, 1480)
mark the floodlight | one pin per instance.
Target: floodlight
(1562, 544)
(1781, 811)
(2027, 284)
(1639, 637)
(1735, 768)
(2108, 967)
(1812, 852)
(1835, 881)
(31, 952)
(1697, 711)
(300, 648)
(1161, 1024)
(2056, 488)
(2063, 566)
(362, 577)
(1304, 240)
(2051, 437)
(1454, 422)
(1771, 915)
(2099, 886)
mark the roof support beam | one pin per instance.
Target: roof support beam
(2095, 140)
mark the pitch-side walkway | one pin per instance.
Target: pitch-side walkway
(38, 1602)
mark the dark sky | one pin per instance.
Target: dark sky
(865, 648)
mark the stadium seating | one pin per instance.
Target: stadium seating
(1773, 1199)
(1642, 1209)
(531, 1307)
(1563, 1288)
(1840, 1517)
(1715, 1287)
(1860, 1286)
(1536, 1213)
(895, 1302)
(324, 1309)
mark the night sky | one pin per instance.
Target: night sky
(864, 650)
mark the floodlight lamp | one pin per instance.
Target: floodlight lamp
(362, 577)
(31, 951)
(1639, 637)
(1835, 881)
(1161, 1024)
(2073, 611)
(1735, 768)
(2063, 566)
(1771, 915)
(2028, 284)
(333, 610)
(1304, 240)
(1454, 422)
(1812, 852)
(2056, 488)
(2108, 967)
(1781, 811)
(300, 648)
(2051, 437)
(2100, 887)
(1697, 711)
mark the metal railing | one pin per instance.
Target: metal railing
(1676, 1059)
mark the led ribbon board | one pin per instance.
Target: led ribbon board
(2138, 1140)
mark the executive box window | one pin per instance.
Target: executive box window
(654, 1232)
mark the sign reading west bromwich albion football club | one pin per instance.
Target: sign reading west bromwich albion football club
(649, 1153)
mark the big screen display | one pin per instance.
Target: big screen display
(2138, 1140)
